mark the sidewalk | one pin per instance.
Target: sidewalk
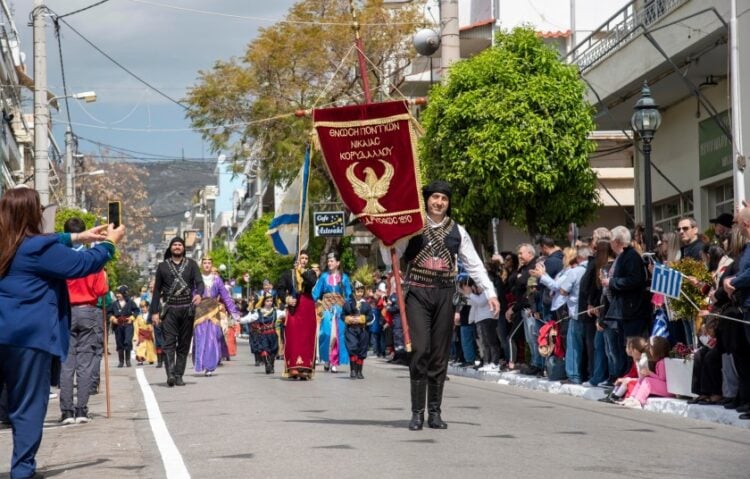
(121, 447)
(678, 407)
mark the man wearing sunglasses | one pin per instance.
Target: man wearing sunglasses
(692, 246)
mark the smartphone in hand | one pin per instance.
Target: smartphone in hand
(114, 213)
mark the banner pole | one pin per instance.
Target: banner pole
(106, 357)
(401, 299)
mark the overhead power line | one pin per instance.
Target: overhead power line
(269, 20)
(123, 149)
(83, 9)
(121, 66)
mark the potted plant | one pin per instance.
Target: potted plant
(679, 369)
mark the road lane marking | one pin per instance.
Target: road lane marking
(174, 466)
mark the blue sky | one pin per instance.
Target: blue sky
(164, 46)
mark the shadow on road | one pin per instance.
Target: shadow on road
(398, 424)
(54, 470)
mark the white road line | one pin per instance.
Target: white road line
(174, 466)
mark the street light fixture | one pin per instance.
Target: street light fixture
(87, 96)
(90, 173)
(646, 120)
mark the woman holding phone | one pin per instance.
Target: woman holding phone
(34, 311)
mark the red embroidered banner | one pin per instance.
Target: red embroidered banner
(370, 153)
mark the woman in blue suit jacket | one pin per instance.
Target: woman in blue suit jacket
(35, 313)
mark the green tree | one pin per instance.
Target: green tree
(64, 214)
(513, 119)
(119, 265)
(254, 255)
(294, 65)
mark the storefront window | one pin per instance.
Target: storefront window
(667, 213)
(722, 199)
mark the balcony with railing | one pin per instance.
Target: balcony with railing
(619, 29)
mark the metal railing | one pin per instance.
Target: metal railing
(618, 30)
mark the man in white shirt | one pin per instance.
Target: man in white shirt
(432, 258)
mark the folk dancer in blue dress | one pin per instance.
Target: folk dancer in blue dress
(358, 316)
(332, 290)
(263, 321)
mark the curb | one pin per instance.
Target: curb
(677, 407)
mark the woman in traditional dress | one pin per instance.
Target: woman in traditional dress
(145, 351)
(332, 290)
(263, 320)
(209, 344)
(301, 328)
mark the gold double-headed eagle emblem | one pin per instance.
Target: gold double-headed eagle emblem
(372, 188)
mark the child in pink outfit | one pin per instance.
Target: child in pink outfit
(653, 380)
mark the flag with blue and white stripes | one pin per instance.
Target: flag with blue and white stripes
(289, 229)
(666, 281)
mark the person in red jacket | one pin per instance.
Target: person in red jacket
(86, 338)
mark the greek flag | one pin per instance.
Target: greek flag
(287, 233)
(666, 281)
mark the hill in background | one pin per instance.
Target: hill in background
(171, 186)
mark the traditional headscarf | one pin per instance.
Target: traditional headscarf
(176, 239)
(438, 186)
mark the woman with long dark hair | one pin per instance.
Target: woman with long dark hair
(35, 312)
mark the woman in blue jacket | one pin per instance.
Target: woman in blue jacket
(35, 313)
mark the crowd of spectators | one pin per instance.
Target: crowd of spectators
(586, 315)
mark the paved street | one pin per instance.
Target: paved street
(242, 423)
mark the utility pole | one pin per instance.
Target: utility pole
(738, 158)
(41, 109)
(70, 197)
(573, 38)
(259, 190)
(449, 36)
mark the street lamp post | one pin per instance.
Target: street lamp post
(70, 198)
(72, 184)
(646, 120)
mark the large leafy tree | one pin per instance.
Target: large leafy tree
(513, 120)
(246, 105)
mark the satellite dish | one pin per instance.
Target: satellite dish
(426, 41)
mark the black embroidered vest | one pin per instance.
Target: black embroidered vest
(431, 256)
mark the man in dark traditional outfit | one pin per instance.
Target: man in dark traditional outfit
(432, 258)
(179, 286)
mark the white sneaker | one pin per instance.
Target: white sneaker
(485, 369)
(53, 395)
(587, 385)
(334, 369)
(209, 373)
(632, 402)
(83, 420)
(477, 362)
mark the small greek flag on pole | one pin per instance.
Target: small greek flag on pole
(666, 281)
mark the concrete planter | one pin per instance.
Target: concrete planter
(679, 376)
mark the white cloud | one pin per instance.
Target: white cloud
(163, 46)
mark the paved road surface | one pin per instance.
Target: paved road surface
(243, 423)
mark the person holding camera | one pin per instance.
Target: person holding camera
(179, 286)
(35, 311)
(433, 257)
